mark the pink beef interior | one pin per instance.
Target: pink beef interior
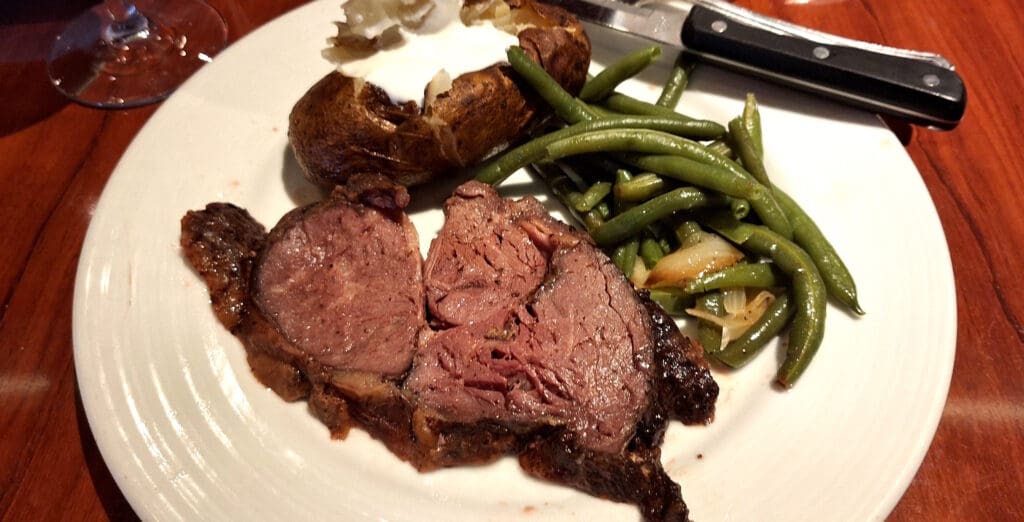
(480, 263)
(559, 340)
(343, 282)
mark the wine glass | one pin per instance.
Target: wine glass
(126, 53)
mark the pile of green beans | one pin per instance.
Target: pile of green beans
(646, 181)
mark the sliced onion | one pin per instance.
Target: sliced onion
(682, 266)
(735, 324)
(734, 300)
(640, 273)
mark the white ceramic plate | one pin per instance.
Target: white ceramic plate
(189, 434)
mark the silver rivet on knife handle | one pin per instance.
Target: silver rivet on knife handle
(785, 28)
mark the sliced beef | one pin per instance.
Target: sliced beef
(549, 340)
(341, 281)
(481, 261)
(683, 389)
(222, 242)
(520, 337)
(634, 475)
(378, 191)
(328, 305)
(573, 349)
(686, 390)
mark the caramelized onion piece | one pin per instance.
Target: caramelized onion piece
(680, 267)
(735, 323)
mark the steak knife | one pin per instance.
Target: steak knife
(915, 86)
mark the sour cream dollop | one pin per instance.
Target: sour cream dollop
(441, 43)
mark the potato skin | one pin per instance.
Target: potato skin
(342, 127)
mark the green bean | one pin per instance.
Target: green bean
(665, 245)
(562, 186)
(688, 233)
(809, 293)
(592, 220)
(565, 105)
(748, 275)
(603, 210)
(721, 148)
(761, 199)
(502, 167)
(564, 189)
(633, 221)
(694, 129)
(628, 105)
(710, 334)
(637, 141)
(659, 230)
(715, 156)
(673, 303)
(594, 166)
(642, 187)
(662, 232)
(624, 256)
(603, 112)
(745, 148)
(651, 251)
(589, 199)
(622, 176)
(628, 66)
(740, 207)
(806, 233)
(640, 141)
(677, 80)
(752, 123)
(741, 350)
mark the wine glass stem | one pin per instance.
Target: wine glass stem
(126, 22)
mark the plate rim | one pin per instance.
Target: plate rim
(95, 398)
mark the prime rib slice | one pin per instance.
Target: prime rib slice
(550, 334)
(547, 339)
(328, 304)
(519, 337)
(342, 282)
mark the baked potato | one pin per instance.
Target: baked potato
(346, 126)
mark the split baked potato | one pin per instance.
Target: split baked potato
(348, 126)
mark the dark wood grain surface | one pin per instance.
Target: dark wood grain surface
(55, 157)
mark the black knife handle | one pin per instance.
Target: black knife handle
(908, 88)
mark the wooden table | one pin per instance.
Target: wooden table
(55, 157)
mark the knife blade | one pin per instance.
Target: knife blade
(920, 87)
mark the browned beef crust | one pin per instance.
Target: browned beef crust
(534, 343)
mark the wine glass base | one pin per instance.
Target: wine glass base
(177, 37)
